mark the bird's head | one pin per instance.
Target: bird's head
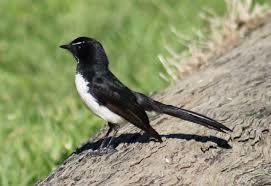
(86, 50)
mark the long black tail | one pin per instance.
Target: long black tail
(151, 105)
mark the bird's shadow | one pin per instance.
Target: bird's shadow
(145, 138)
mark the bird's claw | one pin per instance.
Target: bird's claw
(106, 150)
(100, 151)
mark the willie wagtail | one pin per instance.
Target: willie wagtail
(109, 99)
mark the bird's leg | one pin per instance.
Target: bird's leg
(111, 126)
(116, 129)
(108, 149)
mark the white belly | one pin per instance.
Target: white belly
(92, 104)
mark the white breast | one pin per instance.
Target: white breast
(92, 104)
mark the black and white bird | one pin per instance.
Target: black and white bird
(112, 101)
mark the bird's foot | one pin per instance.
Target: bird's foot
(105, 150)
(99, 151)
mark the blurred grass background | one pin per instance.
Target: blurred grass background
(42, 119)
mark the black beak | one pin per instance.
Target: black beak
(68, 47)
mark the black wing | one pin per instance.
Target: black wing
(110, 92)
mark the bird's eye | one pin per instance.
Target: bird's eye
(79, 46)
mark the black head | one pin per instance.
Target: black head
(86, 50)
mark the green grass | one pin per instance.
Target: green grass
(42, 119)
